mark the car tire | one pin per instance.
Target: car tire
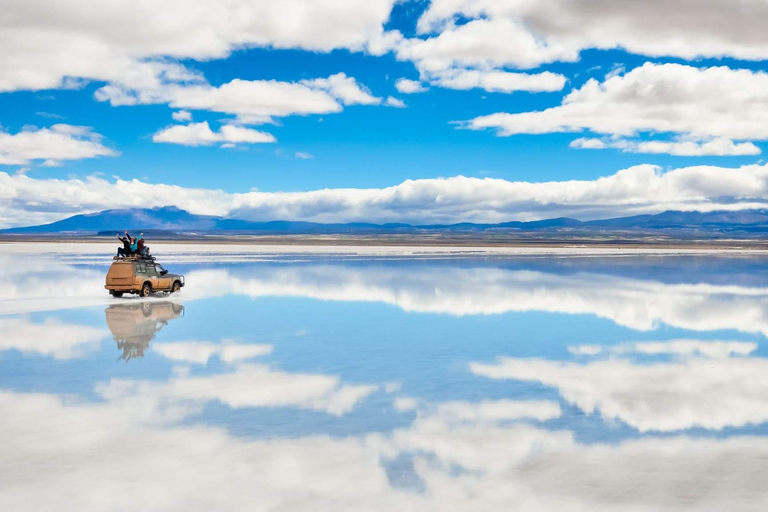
(146, 290)
(176, 288)
(115, 294)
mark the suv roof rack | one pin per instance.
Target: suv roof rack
(134, 257)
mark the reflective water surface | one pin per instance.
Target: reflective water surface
(288, 380)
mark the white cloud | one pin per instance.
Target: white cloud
(713, 147)
(640, 189)
(303, 155)
(252, 101)
(483, 44)
(394, 102)
(526, 33)
(473, 55)
(182, 116)
(200, 134)
(344, 88)
(698, 104)
(134, 44)
(199, 352)
(498, 81)
(406, 86)
(49, 338)
(54, 144)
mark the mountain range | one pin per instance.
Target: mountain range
(172, 220)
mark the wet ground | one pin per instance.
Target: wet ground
(380, 380)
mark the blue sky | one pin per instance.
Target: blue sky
(694, 90)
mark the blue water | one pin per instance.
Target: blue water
(387, 383)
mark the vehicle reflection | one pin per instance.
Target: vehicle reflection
(134, 326)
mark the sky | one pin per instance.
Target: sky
(382, 110)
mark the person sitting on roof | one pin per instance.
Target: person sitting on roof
(125, 250)
(141, 249)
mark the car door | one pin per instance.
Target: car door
(158, 282)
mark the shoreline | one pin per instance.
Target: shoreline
(344, 247)
(426, 242)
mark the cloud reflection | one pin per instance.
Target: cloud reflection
(105, 456)
(704, 387)
(51, 337)
(641, 304)
(248, 386)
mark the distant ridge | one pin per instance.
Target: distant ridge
(170, 220)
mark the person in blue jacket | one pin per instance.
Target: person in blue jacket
(139, 247)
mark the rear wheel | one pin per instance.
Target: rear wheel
(176, 287)
(116, 294)
(146, 290)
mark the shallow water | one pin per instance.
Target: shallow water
(282, 379)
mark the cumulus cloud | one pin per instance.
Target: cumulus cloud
(698, 104)
(182, 116)
(473, 55)
(200, 134)
(407, 86)
(483, 43)
(527, 34)
(134, 45)
(54, 144)
(252, 101)
(344, 88)
(498, 81)
(639, 189)
(394, 102)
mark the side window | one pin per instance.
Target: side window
(141, 269)
(151, 270)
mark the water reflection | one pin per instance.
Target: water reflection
(486, 386)
(134, 325)
(625, 292)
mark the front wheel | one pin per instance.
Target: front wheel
(146, 290)
(176, 288)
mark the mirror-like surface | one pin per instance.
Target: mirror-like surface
(287, 380)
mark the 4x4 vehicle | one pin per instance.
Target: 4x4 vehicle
(142, 276)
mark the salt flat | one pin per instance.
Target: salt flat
(387, 379)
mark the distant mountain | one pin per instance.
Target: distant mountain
(169, 220)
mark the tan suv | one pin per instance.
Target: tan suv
(141, 276)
